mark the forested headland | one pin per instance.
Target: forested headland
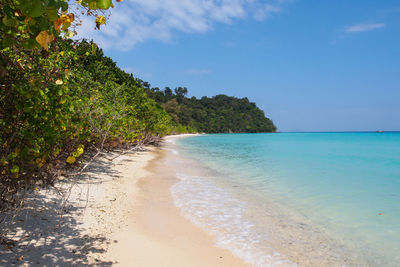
(218, 114)
(62, 99)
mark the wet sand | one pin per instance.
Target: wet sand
(159, 235)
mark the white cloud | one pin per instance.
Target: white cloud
(266, 10)
(364, 27)
(135, 21)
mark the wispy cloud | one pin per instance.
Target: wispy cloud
(198, 71)
(364, 27)
(135, 21)
(265, 10)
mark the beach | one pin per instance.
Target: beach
(199, 133)
(217, 200)
(119, 213)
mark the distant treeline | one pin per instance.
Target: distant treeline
(218, 114)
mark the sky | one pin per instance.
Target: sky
(310, 65)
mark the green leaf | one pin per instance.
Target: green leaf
(104, 4)
(34, 8)
(92, 5)
(64, 6)
(9, 22)
(52, 14)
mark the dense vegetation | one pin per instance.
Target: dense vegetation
(60, 99)
(218, 114)
(57, 104)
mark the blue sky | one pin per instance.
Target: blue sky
(311, 65)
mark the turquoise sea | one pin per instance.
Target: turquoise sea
(287, 199)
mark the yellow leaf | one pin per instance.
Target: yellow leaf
(57, 24)
(71, 159)
(100, 20)
(71, 17)
(68, 18)
(44, 38)
(65, 20)
(59, 82)
(66, 26)
(79, 151)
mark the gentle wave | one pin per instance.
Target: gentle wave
(213, 208)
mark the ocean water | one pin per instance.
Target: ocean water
(294, 199)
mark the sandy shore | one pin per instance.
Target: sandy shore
(120, 213)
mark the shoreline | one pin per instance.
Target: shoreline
(161, 233)
(238, 219)
(128, 219)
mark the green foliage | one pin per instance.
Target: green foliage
(219, 114)
(36, 23)
(55, 105)
(103, 4)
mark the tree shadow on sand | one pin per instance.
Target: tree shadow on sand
(43, 238)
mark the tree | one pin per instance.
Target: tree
(180, 93)
(36, 23)
(168, 93)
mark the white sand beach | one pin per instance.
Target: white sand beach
(128, 219)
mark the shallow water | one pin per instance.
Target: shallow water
(312, 199)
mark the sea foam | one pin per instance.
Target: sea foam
(214, 209)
